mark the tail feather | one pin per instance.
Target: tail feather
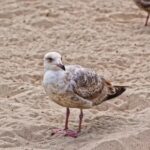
(118, 91)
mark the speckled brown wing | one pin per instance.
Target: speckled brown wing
(87, 84)
(90, 86)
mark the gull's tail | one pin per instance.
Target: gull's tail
(117, 90)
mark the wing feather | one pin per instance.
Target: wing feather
(86, 83)
(90, 86)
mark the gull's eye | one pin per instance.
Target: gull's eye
(50, 59)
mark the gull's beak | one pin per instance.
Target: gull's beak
(61, 66)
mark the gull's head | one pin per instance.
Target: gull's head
(53, 61)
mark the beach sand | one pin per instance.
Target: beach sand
(109, 37)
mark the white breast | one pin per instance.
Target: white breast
(54, 82)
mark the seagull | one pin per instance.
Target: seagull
(73, 86)
(145, 5)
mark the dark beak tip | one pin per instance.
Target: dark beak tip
(63, 67)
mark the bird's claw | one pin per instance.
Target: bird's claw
(71, 133)
(64, 132)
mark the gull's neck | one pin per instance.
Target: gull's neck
(53, 76)
(51, 68)
(54, 70)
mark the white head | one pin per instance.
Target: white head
(53, 61)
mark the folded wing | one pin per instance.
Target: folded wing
(90, 86)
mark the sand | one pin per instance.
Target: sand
(108, 36)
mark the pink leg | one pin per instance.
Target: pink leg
(67, 118)
(66, 131)
(80, 121)
(146, 23)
